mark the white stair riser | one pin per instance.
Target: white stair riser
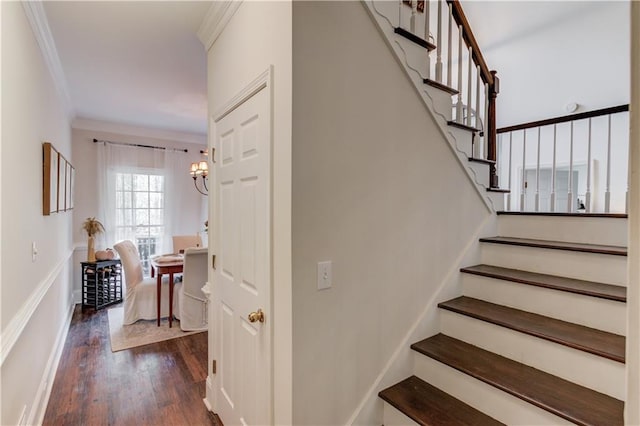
(498, 199)
(393, 417)
(594, 312)
(592, 371)
(482, 172)
(441, 101)
(462, 140)
(486, 398)
(604, 268)
(588, 230)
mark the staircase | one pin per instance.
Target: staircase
(537, 336)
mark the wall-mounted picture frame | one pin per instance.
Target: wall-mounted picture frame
(67, 186)
(50, 179)
(71, 185)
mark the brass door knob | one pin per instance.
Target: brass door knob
(256, 316)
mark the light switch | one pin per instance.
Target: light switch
(324, 275)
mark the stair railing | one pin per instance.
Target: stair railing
(575, 155)
(457, 54)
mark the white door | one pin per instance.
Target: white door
(242, 276)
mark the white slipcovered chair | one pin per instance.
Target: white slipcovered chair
(193, 302)
(183, 242)
(140, 295)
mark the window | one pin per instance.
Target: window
(140, 212)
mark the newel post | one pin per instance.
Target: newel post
(494, 89)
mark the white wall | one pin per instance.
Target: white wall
(550, 53)
(86, 188)
(259, 35)
(36, 296)
(377, 191)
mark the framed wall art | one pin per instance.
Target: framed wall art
(50, 179)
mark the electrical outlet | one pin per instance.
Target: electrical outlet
(324, 275)
(34, 251)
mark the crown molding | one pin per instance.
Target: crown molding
(147, 132)
(218, 16)
(34, 10)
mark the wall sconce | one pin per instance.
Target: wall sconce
(200, 168)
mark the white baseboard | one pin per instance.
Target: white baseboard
(39, 406)
(209, 394)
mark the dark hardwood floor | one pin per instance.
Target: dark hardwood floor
(158, 384)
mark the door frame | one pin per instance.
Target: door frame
(264, 81)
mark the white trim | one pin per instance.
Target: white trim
(16, 326)
(34, 10)
(148, 132)
(260, 82)
(39, 406)
(208, 393)
(216, 19)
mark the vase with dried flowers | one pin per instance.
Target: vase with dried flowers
(92, 227)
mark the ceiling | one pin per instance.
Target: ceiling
(140, 63)
(136, 63)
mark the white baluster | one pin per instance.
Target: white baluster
(523, 190)
(427, 17)
(412, 20)
(570, 189)
(587, 197)
(537, 202)
(553, 173)
(459, 104)
(439, 45)
(510, 157)
(449, 47)
(478, 83)
(485, 118)
(607, 193)
(399, 13)
(469, 86)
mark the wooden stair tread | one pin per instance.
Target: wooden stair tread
(481, 160)
(428, 405)
(571, 285)
(440, 86)
(568, 400)
(502, 190)
(414, 38)
(462, 126)
(561, 214)
(558, 245)
(597, 342)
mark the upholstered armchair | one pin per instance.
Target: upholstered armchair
(193, 302)
(141, 292)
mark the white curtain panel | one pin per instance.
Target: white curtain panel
(121, 166)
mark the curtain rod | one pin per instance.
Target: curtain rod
(140, 145)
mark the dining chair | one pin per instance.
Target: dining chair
(193, 302)
(141, 292)
(183, 242)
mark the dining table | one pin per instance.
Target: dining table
(166, 265)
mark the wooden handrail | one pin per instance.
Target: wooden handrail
(467, 34)
(565, 118)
